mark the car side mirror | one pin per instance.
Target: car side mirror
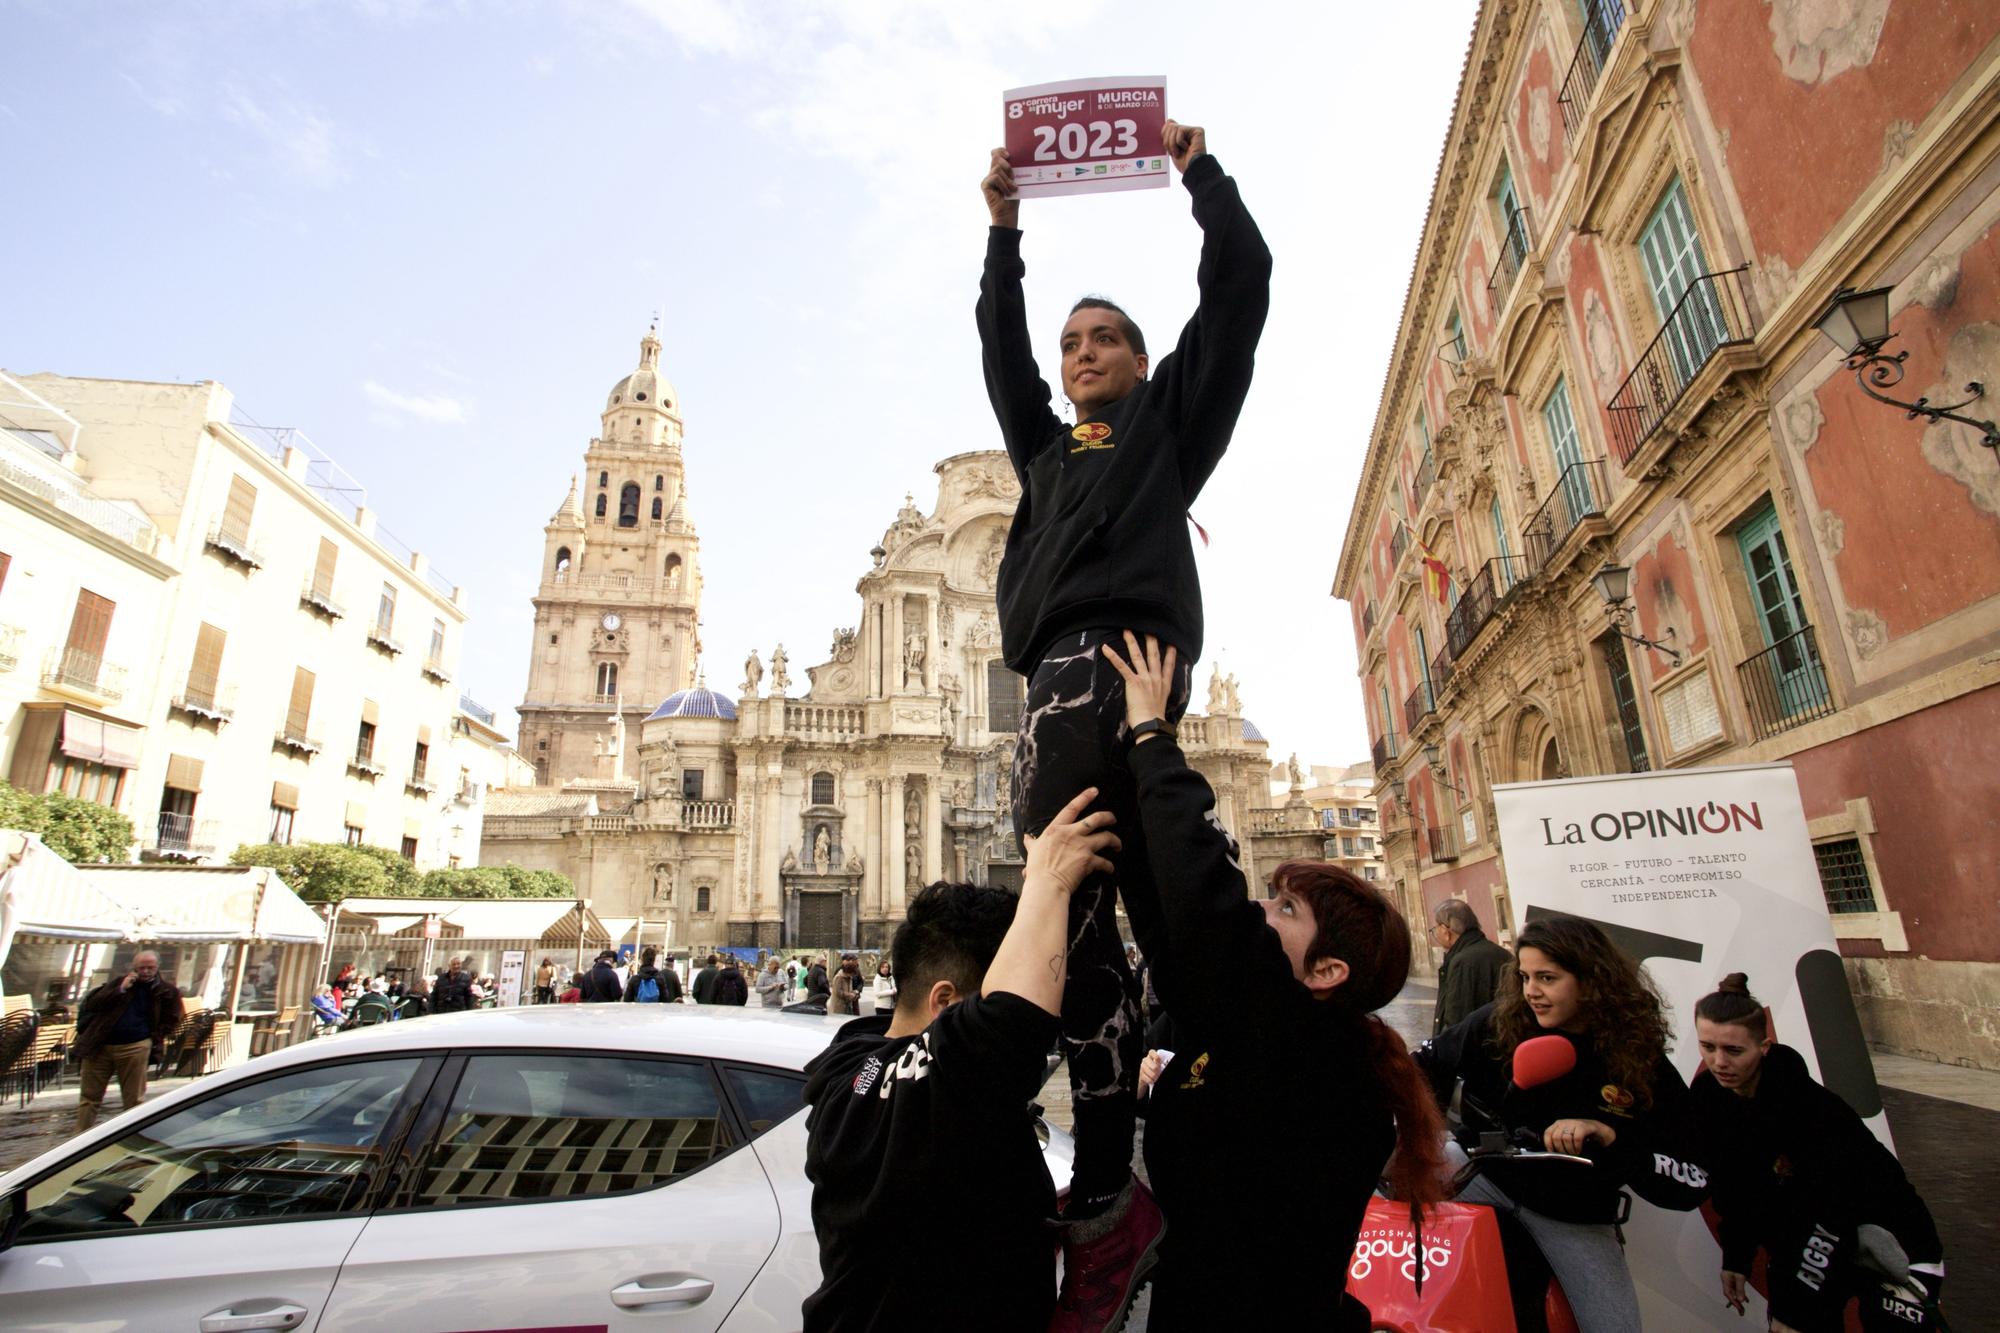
(13, 1215)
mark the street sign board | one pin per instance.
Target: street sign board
(513, 963)
(1087, 136)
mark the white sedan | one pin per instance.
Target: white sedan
(567, 1167)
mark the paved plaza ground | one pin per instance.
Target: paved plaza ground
(1946, 1122)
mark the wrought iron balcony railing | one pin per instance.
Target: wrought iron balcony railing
(1367, 619)
(1579, 492)
(1384, 751)
(1711, 314)
(318, 598)
(472, 708)
(1443, 847)
(183, 836)
(1601, 21)
(74, 669)
(1420, 485)
(1420, 705)
(364, 765)
(204, 698)
(292, 737)
(1483, 597)
(10, 646)
(1514, 247)
(1441, 670)
(234, 546)
(434, 668)
(380, 639)
(419, 784)
(1399, 542)
(1785, 685)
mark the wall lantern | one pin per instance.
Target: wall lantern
(1614, 585)
(1435, 758)
(1858, 324)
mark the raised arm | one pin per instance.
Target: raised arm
(1033, 956)
(1207, 375)
(1014, 384)
(1201, 909)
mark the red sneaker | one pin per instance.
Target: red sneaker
(1101, 1277)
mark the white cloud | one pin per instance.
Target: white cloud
(305, 144)
(434, 408)
(162, 104)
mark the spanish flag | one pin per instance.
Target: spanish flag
(1437, 578)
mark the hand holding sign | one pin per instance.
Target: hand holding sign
(1003, 201)
(1184, 143)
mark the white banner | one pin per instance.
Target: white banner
(1697, 873)
(513, 962)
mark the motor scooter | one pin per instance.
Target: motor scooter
(1472, 1259)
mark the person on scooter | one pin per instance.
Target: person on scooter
(1795, 1171)
(1287, 1099)
(1620, 1106)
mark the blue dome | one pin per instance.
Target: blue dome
(697, 702)
(1250, 732)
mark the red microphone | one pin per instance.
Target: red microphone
(1543, 1059)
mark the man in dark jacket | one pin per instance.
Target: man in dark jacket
(730, 987)
(121, 1028)
(1473, 965)
(704, 981)
(601, 984)
(451, 993)
(1099, 544)
(666, 988)
(818, 988)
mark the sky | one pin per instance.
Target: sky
(432, 234)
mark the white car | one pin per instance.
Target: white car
(565, 1167)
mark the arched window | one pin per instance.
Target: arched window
(660, 482)
(628, 505)
(656, 509)
(604, 479)
(562, 563)
(607, 680)
(673, 571)
(1003, 699)
(600, 505)
(701, 898)
(822, 789)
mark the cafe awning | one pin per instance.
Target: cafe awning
(43, 895)
(208, 904)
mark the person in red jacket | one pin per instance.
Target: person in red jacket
(1796, 1172)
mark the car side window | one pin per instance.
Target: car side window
(303, 1144)
(764, 1097)
(523, 1126)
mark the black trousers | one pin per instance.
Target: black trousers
(1072, 737)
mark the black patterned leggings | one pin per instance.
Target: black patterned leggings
(1073, 736)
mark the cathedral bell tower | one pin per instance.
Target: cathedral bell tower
(618, 609)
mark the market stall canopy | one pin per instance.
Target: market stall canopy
(41, 894)
(549, 921)
(208, 904)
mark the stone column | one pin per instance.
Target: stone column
(933, 830)
(871, 853)
(931, 646)
(773, 838)
(892, 668)
(894, 900)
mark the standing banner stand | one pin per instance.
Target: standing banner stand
(513, 964)
(1696, 873)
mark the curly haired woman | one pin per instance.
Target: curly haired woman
(1619, 1106)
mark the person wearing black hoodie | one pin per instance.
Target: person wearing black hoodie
(930, 1196)
(601, 984)
(1621, 1106)
(666, 983)
(1795, 1171)
(1099, 543)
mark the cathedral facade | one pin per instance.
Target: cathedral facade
(762, 817)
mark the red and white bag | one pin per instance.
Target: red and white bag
(1465, 1272)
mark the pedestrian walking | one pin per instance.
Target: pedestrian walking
(651, 983)
(730, 987)
(771, 986)
(122, 1027)
(601, 984)
(1099, 544)
(451, 990)
(1473, 965)
(885, 986)
(818, 988)
(545, 982)
(846, 994)
(704, 981)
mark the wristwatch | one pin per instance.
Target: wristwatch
(1148, 727)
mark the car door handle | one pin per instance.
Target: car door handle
(232, 1320)
(679, 1290)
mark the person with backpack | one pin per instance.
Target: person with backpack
(730, 987)
(651, 984)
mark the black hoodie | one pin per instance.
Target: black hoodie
(1649, 1155)
(1100, 538)
(1266, 1132)
(1796, 1152)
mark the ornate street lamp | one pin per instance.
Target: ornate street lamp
(1614, 585)
(1435, 758)
(1858, 324)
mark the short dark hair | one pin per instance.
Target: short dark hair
(646, 958)
(1125, 322)
(951, 933)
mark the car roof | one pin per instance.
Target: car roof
(711, 1032)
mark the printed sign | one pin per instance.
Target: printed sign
(1697, 873)
(513, 962)
(1087, 136)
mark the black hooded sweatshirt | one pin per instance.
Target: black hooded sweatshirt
(1650, 1154)
(1100, 537)
(1266, 1132)
(1794, 1153)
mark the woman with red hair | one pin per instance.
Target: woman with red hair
(1287, 1100)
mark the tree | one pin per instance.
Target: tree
(508, 881)
(326, 872)
(73, 829)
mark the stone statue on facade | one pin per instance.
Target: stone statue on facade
(913, 658)
(617, 749)
(781, 680)
(822, 850)
(753, 675)
(1235, 700)
(788, 863)
(1297, 775)
(854, 863)
(913, 866)
(1218, 697)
